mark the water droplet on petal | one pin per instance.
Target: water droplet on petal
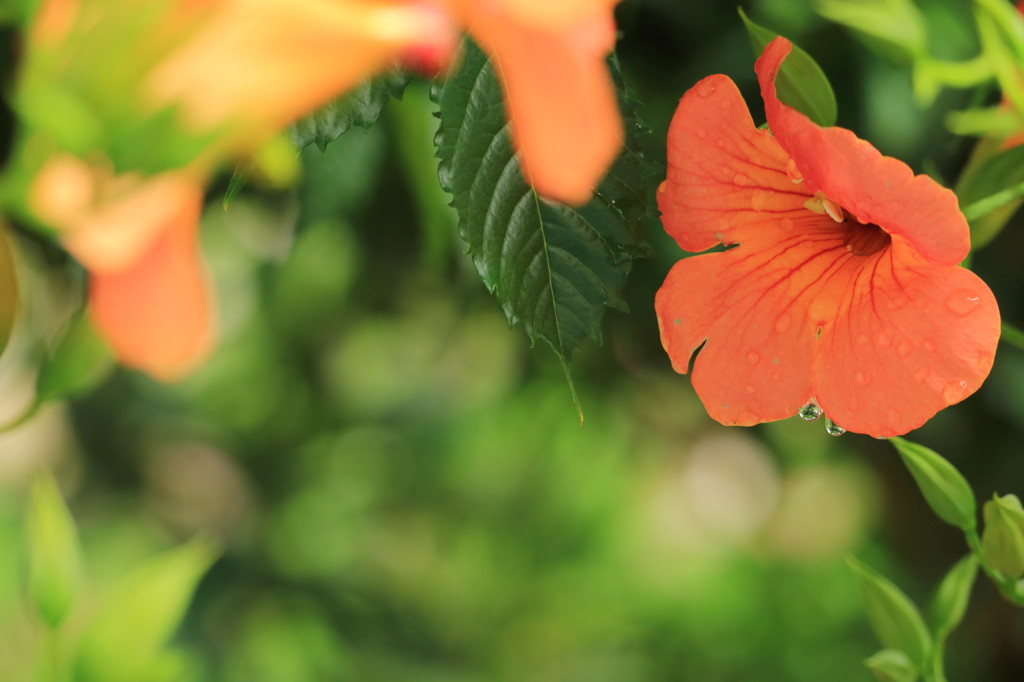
(749, 389)
(833, 429)
(861, 378)
(809, 412)
(863, 339)
(701, 132)
(963, 302)
(922, 373)
(782, 324)
(706, 89)
(929, 345)
(663, 187)
(904, 348)
(883, 340)
(881, 437)
(753, 357)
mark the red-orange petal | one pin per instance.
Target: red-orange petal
(559, 96)
(155, 313)
(877, 189)
(725, 177)
(908, 339)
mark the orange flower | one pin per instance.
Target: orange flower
(842, 289)
(560, 99)
(137, 238)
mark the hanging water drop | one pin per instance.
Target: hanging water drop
(809, 412)
(833, 429)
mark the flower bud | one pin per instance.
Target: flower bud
(1003, 540)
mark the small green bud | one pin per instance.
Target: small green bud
(1003, 540)
(892, 665)
(893, 616)
(55, 564)
(944, 488)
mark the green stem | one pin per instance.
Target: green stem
(22, 418)
(1007, 586)
(50, 659)
(993, 202)
(1012, 336)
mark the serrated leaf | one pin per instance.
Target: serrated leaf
(554, 268)
(951, 598)
(801, 83)
(361, 107)
(894, 618)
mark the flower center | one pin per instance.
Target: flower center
(865, 239)
(862, 239)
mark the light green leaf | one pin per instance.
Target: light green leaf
(125, 641)
(55, 562)
(892, 665)
(8, 288)
(554, 268)
(990, 193)
(951, 598)
(801, 83)
(361, 107)
(944, 488)
(894, 618)
(79, 363)
(1003, 539)
(897, 24)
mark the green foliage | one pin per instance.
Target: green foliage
(990, 191)
(892, 665)
(893, 616)
(801, 83)
(8, 289)
(896, 24)
(1003, 539)
(945, 489)
(554, 268)
(950, 603)
(79, 363)
(55, 563)
(361, 107)
(125, 640)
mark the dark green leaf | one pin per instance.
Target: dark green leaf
(361, 106)
(554, 268)
(801, 83)
(80, 362)
(894, 618)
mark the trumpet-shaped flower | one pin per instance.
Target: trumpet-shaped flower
(842, 286)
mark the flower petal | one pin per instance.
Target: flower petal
(877, 189)
(266, 62)
(559, 96)
(759, 306)
(909, 339)
(155, 313)
(725, 177)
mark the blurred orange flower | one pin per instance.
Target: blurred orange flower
(843, 288)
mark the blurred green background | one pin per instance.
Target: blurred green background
(401, 487)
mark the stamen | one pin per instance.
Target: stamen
(793, 173)
(822, 205)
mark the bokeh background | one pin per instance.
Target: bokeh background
(400, 486)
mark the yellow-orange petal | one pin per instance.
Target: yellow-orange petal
(559, 97)
(725, 177)
(155, 313)
(258, 64)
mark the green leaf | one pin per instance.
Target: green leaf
(944, 488)
(801, 83)
(894, 618)
(897, 24)
(8, 288)
(361, 107)
(55, 562)
(554, 268)
(990, 193)
(1003, 539)
(79, 363)
(125, 640)
(891, 665)
(951, 598)
(239, 176)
